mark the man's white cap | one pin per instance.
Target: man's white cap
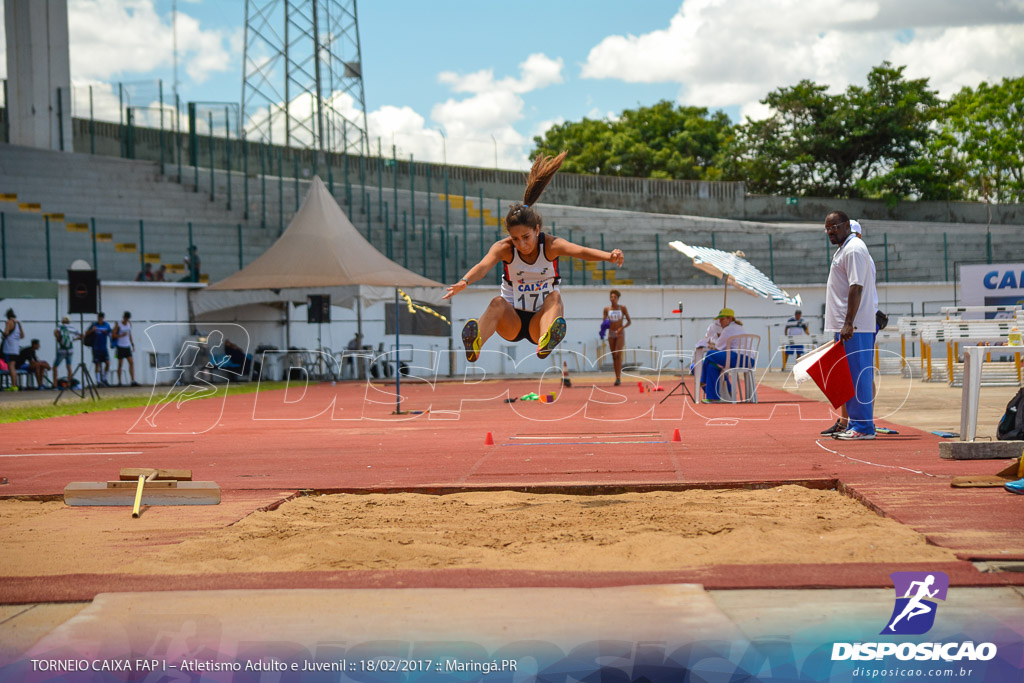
(855, 226)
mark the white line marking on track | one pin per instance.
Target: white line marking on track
(875, 464)
(33, 455)
(611, 435)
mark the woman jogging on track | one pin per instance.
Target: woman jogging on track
(530, 306)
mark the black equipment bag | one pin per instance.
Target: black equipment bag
(881, 320)
(1011, 427)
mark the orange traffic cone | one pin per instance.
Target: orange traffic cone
(675, 436)
(489, 439)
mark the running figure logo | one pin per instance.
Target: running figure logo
(916, 592)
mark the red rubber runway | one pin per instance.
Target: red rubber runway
(263, 447)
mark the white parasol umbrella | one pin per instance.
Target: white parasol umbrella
(736, 271)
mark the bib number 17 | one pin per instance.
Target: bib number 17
(530, 302)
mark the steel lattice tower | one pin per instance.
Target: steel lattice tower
(302, 62)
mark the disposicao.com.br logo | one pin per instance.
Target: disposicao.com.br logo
(914, 614)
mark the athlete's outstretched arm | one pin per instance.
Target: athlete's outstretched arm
(496, 253)
(563, 247)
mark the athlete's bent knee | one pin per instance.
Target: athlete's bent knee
(497, 303)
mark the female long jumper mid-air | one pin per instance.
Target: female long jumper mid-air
(529, 302)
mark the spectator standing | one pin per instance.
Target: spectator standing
(856, 229)
(843, 423)
(125, 347)
(10, 347)
(146, 274)
(850, 315)
(795, 326)
(354, 346)
(192, 264)
(618, 320)
(97, 336)
(161, 274)
(66, 337)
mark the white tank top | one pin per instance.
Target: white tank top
(526, 285)
(126, 330)
(12, 342)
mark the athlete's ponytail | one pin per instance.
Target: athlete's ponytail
(544, 168)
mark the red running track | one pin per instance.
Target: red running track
(346, 437)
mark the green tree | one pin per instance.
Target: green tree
(982, 134)
(852, 144)
(587, 142)
(660, 141)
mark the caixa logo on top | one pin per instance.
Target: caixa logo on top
(917, 596)
(996, 284)
(1004, 279)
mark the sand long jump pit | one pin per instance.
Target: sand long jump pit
(497, 530)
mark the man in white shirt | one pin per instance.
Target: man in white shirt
(850, 315)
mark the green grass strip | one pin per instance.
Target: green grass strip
(38, 409)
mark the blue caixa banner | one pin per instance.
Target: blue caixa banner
(995, 284)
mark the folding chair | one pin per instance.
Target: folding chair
(742, 376)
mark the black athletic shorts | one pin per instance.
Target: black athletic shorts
(124, 352)
(524, 325)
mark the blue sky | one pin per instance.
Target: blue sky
(494, 74)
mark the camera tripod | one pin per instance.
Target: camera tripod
(86, 383)
(682, 379)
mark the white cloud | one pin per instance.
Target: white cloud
(144, 41)
(538, 71)
(954, 57)
(733, 52)
(478, 130)
(755, 111)
(485, 113)
(482, 126)
(544, 126)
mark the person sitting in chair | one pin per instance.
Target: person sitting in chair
(28, 360)
(702, 347)
(723, 352)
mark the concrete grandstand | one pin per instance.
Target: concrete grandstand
(138, 206)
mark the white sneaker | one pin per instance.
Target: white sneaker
(852, 435)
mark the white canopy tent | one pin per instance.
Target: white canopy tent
(320, 252)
